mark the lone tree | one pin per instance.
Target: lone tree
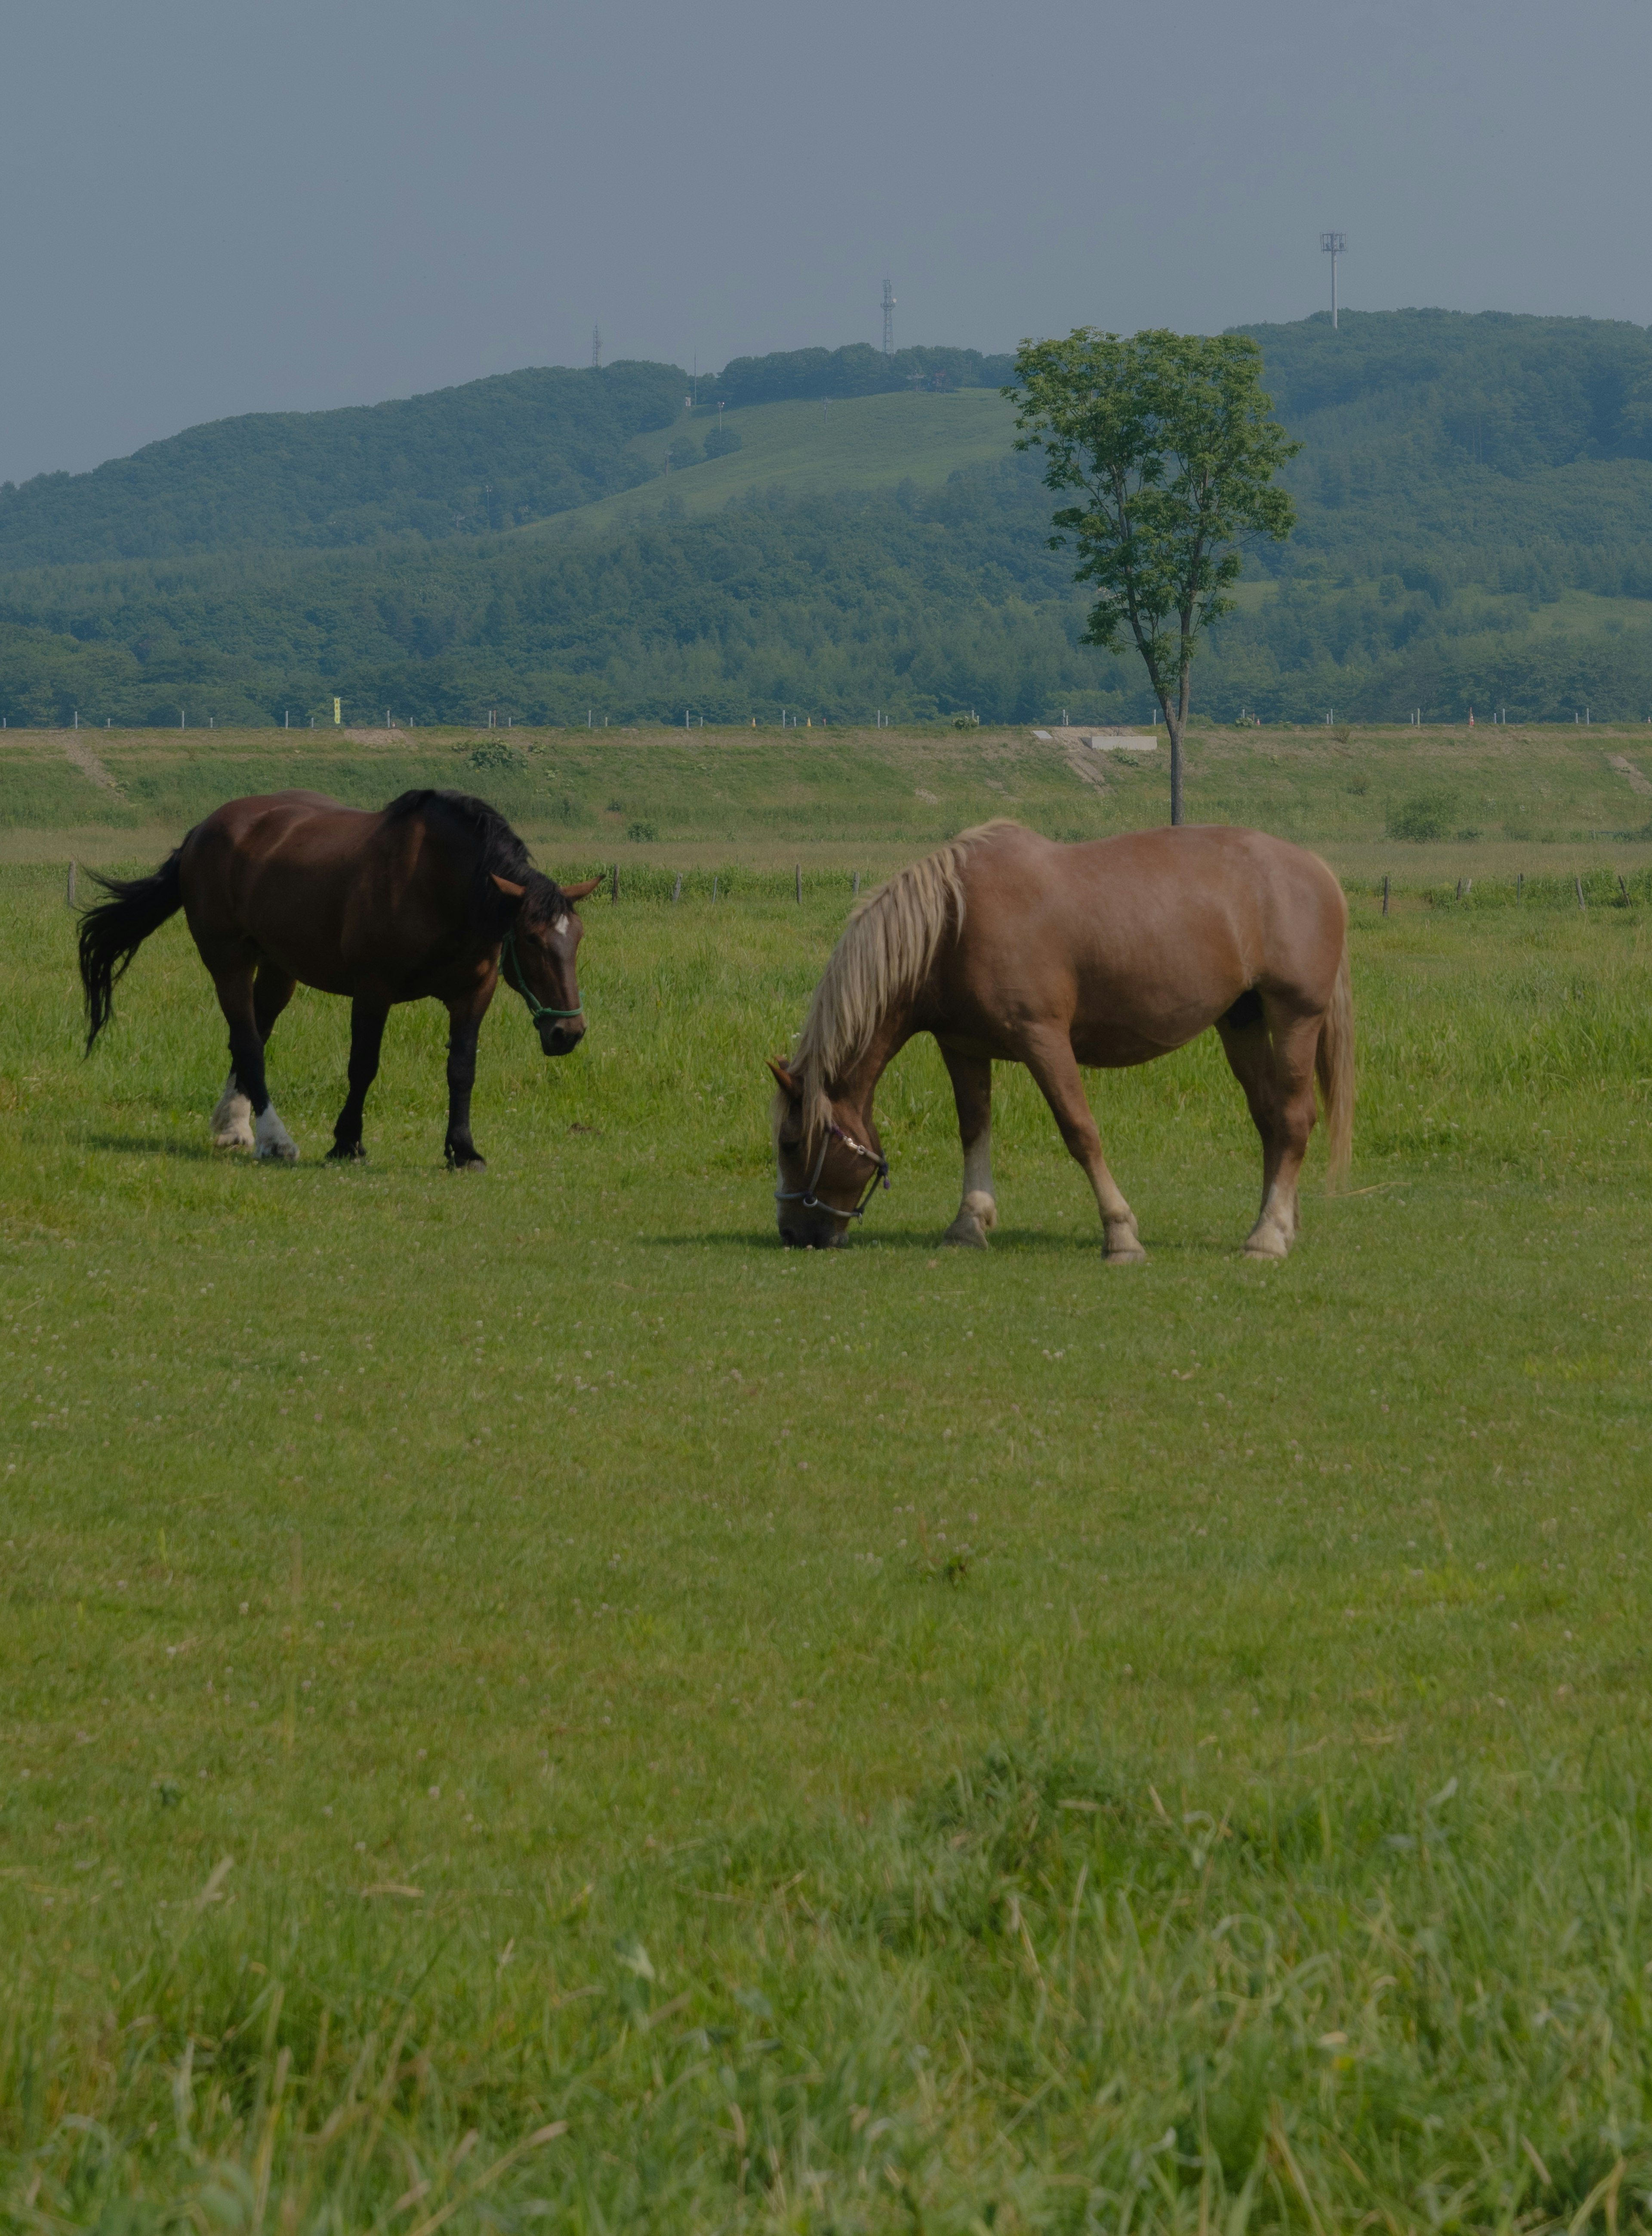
(1170, 440)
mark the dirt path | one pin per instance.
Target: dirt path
(89, 765)
(1625, 767)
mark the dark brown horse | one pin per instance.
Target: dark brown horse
(1005, 945)
(428, 898)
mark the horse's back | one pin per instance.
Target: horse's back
(1149, 935)
(287, 871)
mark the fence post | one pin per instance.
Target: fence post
(857, 884)
(797, 884)
(71, 881)
(1622, 886)
(1520, 886)
(676, 892)
(714, 887)
(1460, 888)
(1384, 892)
(613, 883)
(1579, 883)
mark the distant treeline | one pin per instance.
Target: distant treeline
(923, 604)
(858, 370)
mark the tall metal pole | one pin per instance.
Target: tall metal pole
(1334, 245)
(888, 318)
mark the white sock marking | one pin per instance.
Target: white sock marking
(232, 1121)
(273, 1139)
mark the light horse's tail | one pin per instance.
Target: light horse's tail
(1335, 1064)
(113, 931)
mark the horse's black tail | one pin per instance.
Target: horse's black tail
(113, 931)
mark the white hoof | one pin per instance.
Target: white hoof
(1267, 1241)
(275, 1144)
(1124, 1244)
(232, 1122)
(977, 1216)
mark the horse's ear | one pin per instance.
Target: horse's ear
(787, 1080)
(580, 891)
(511, 892)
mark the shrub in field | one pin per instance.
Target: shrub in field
(1424, 815)
(496, 754)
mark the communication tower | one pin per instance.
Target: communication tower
(596, 348)
(888, 319)
(1335, 245)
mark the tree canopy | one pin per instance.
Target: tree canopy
(1170, 442)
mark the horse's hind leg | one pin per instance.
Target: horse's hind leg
(972, 1088)
(232, 1121)
(366, 1036)
(1271, 1053)
(241, 1012)
(1047, 1054)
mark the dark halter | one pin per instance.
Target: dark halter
(806, 1196)
(510, 966)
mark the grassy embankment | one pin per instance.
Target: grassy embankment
(520, 1697)
(1502, 801)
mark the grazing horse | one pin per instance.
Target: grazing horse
(1004, 944)
(429, 897)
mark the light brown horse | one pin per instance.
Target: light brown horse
(428, 898)
(1006, 946)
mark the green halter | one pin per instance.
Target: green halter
(510, 964)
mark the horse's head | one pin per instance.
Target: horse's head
(829, 1161)
(537, 957)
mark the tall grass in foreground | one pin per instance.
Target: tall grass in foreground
(1043, 1996)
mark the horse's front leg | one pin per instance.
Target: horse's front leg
(367, 1019)
(1047, 1054)
(464, 1025)
(971, 1089)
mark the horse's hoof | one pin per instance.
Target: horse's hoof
(472, 1163)
(347, 1153)
(277, 1152)
(1269, 1247)
(1126, 1254)
(965, 1234)
(234, 1137)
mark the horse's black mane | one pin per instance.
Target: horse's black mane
(498, 851)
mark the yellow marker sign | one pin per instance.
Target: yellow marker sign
(337, 712)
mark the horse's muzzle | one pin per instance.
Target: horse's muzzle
(807, 1230)
(562, 1037)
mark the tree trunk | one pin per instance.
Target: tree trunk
(1174, 729)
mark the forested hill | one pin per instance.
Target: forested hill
(490, 454)
(1475, 527)
(1516, 450)
(485, 456)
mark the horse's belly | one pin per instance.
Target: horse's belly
(1114, 1048)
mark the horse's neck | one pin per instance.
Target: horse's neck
(859, 1084)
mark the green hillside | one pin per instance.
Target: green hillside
(804, 448)
(1475, 529)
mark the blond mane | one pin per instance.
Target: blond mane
(884, 956)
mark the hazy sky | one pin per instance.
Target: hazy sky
(209, 207)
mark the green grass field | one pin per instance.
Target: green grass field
(524, 1702)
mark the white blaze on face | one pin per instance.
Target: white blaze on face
(560, 925)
